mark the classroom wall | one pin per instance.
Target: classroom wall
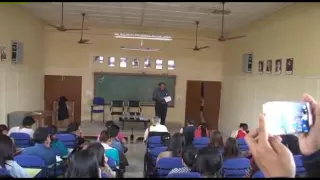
(292, 32)
(64, 56)
(21, 85)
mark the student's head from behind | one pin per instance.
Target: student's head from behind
(216, 139)
(176, 144)
(208, 162)
(203, 127)
(52, 130)
(190, 122)
(98, 150)
(42, 136)
(109, 123)
(73, 128)
(83, 164)
(105, 137)
(155, 120)
(231, 148)
(28, 121)
(161, 85)
(244, 127)
(189, 156)
(6, 149)
(113, 130)
(3, 129)
(292, 142)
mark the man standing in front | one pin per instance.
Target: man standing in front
(161, 105)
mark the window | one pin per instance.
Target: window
(147, 63)
(111, 61)
(158, 64)
(171, 65)
(98, 59)
(123, 62)
(135, 63)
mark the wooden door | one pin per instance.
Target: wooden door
(193, 101)
(211, 109)
(68, 86)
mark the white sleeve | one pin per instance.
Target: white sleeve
(181, 131)
(146, 133)
(31, 133)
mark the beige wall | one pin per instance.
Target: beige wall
(21, 85)
(64, 56)
(292, 32)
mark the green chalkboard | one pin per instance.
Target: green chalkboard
(114, 86)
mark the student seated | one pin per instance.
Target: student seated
(188, 159)
(175, 147)
(98, 150)
(188, 132)
(120, 135)
(156, 129)
(109, 151)
(60, 148)
(83, 164)
(26, 127)
(3, 129)
(201, 131)
(116, 142)
(216, 140)
(75, 129)
(208, 163)
(241, 132)
(231, 149)
(6, 158)
(42, 147)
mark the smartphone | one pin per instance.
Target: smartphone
(283, 117)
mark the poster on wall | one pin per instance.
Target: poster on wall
(289, 66)
(278, 66)
(3, 53)
(269, 66)
(260, 67)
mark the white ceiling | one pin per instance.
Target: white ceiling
(152, 14)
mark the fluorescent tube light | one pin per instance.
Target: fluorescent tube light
(142, 36)
(139, 49)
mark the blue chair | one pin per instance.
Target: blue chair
(165, 165)
(258, 174)
(32, 161)
(300, 170)
(97, 102)
(154, 152)
(185, 175)
(68, 139)
(4, 173)
(112, 163)
(200, 142)
(235, 168)
(104, 175)
(21, 140)
(154, 141)
(242, 144)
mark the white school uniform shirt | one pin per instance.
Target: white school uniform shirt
(154, 128)
(17, 129)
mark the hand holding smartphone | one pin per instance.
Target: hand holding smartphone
(283, 117)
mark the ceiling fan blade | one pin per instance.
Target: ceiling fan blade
(74, 29)
(203, 47)
(82, 41)
(54, 26)
(235, 37)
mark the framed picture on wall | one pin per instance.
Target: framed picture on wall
(278, 66)
(147, 63)
(269, 66)
(289, 66)
(135, 63)
(260, 67)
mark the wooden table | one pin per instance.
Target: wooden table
(124, 120)
(41, 116)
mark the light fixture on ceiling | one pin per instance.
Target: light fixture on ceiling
(139, 49)
(142, 36)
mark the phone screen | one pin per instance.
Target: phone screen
(284, 117)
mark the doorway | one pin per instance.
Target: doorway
(203, 102)
(68, 86)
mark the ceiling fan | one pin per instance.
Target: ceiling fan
(196, 48)
(222, 38)
(83, 41)
(61, 27)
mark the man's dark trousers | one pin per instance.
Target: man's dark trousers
(161, 111)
